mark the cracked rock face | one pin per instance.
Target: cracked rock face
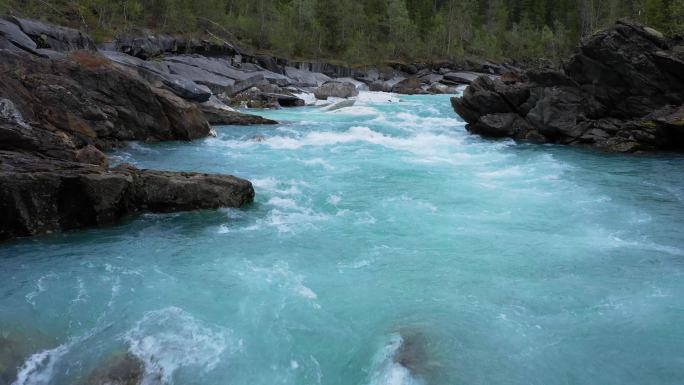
(56, 117)
(622, 91)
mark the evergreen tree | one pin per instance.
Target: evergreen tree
(367, 31)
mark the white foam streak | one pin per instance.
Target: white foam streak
(169, 339)
(41, 286)
(421, 143)
(38, 369)
(386, 371)
(281, 275)
(377, 97)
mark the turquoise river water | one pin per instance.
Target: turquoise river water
(386, 245)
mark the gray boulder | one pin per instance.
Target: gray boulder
(217, 113)
(303, 78)
(217, 83)
(439, 88)
(15, 38)
(341, 104)
(409, 86)
(357, 83)
(54, 37)
(461, 77)
(335, 89)
(145, 44)
(380, 85)
(217, 66)
(219, 75)
(155, 71)
(431, 78)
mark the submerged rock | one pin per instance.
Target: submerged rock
(340, 104)
(619, 92)
(16, 346)
(412, 353)
(121, 369)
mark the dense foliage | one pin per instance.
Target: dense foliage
(365, 31)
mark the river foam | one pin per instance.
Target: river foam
(171, 339)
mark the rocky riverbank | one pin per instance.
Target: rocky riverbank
(623, 91)
(240, 78)
(64, 100)
(62, 104)
(213, 72)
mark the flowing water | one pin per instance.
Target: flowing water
(385, 246)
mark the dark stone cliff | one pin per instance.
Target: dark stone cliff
(622, 91)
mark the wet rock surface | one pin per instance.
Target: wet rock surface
(121, 369)
(58, 115)
(622, 91)
(336, 89)
(16, 345)
(40, 194)
(218, 113)
(63, 101)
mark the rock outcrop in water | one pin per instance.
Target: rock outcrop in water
(60, 109)
(622, 91)
(122, 369)
(40, 194)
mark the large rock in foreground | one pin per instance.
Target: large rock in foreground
(93, 102)
(622, 91)
(57, 115)
(40, 194)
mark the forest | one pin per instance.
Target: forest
(368, 31)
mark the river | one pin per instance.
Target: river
(385, 245)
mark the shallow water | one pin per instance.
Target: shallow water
(385, 246)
